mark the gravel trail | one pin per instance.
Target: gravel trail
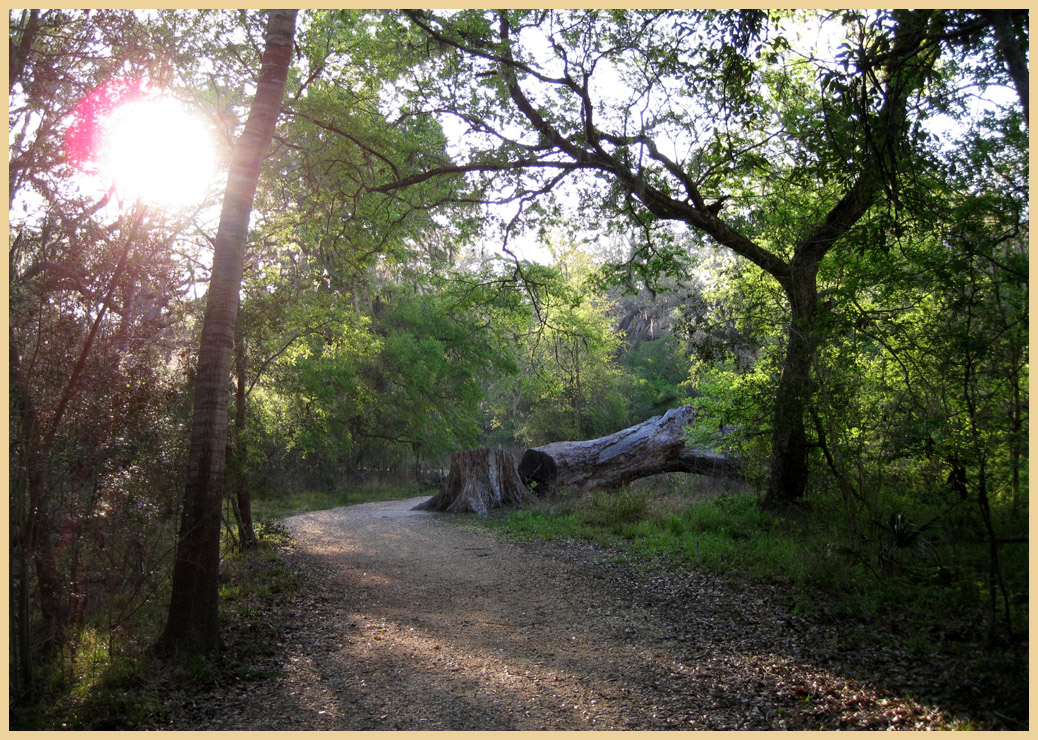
(408, 621)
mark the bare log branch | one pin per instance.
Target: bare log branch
(654, 446)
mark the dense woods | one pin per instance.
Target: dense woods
(508, 229)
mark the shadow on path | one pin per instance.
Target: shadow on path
(410, 622)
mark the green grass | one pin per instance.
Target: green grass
(273, 508)
(825, 562)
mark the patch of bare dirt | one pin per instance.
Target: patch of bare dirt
(408, 621)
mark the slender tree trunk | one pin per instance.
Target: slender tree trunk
(996, 583)
(1016, 438)
(192, 625)
(788, 474)
(19, 55)
(577, 432)
(243, 494)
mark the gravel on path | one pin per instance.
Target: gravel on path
(408, 621)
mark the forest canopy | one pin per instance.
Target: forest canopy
(481, 228)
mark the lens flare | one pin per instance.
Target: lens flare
(143, 143)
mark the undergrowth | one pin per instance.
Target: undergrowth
(888, 563)
(110, 679)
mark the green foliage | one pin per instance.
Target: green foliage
(658, 372)
(439, 347)
(376, 382)
(335, 343)
(735, 343)
(347, 135)
(570, 384)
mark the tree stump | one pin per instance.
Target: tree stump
(654, 446)
(479, 480)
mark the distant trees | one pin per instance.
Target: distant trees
(395, 384)
(569, 383)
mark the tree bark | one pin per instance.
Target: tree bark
(654, 446)
(788, 471)
(479, 480)
(1013, 53)
(192, 625)
(242, 493)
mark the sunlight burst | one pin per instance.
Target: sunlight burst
(141, 143)
(155, 151)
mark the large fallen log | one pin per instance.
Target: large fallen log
(654, 446)
(483, 479)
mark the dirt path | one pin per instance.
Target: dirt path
(412, 622)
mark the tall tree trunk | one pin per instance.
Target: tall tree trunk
(192, 625)
(242, 493)
(18, 54)
(905, 70)
(788, 473)
(1016, 439)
